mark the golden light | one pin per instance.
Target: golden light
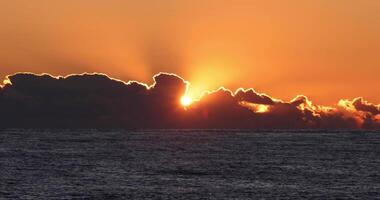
(186, 101)
(7, 81)
(257, 108)
(262, 108)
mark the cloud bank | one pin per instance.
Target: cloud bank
(97, 101)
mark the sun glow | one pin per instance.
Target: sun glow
(186, 100)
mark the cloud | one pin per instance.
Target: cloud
(250, 95)
(362, 105)
(98, 101)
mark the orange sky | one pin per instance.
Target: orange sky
(324, 49)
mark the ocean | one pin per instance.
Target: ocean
(188, 164)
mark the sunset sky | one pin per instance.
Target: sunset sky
(324, 49)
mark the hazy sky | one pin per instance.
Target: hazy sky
(325, 49)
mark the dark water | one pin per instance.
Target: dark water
(91, 164)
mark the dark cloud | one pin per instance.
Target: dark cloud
(364, 106)
(98, 101)
(251, 96)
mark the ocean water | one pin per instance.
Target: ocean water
(188, 164)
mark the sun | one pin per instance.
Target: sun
(186, 101)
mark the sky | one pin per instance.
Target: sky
(324, 49)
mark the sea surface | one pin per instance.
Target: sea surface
(188, 164)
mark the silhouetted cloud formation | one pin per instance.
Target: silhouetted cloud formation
(98, 101)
